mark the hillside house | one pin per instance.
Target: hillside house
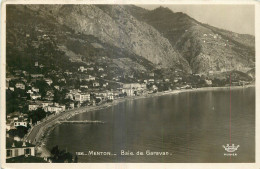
(35, 89)
(82, 69)
(48, 81)
(110, 96)
(72, 105)
(11, 88)
(90, 68)
(99, 96)
(100, 69)
(46, 103)
(90, 78)
(116, 78)
(9, 125)
(35, 96)
(37, 75)
(20, 122)
(29, 92)
(18, 148)
(34, 106)
(68, 73)
(154, 88)
(62, 80)
(151, 74)
(20, 86)
(96, 84)
(50, 93)
(84, 86)
(57, 87)
(103, 75)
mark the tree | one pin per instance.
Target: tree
(76, 159)
(98, 100)
(60, 156)
(19, 131)
(37, 115)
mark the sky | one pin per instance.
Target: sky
(236, 18)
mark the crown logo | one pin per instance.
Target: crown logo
(230, 148)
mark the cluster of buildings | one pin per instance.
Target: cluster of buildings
(47, 106)
(16, 119)
(133, 89)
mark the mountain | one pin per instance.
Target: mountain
(115, 26)
(38, 36)
(126, 38)
(206, 48)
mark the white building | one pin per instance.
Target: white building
(48, 81)
(90, 78)
(84, 86)
(57, 87)
(35, 89)
(11, 88)
(131, 88)
(82, 97)
(35, 96)
(20, 123)
(45, 104)
(82, 69)
(36, 75)
(34, 106)
(29, 92)
(100, 69)
(96, 84)
(72, 105)
(55, 109)
(208, 82)
(18, 148)
(151, 80)
(20, 86)
(110, 97)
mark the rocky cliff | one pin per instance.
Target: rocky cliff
(205, 47)
(115, 26)
(156, 39)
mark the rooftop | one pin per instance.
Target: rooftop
(18, 144)
(24, 159)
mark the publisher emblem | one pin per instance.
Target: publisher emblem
(231, 148)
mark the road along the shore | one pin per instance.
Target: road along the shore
(37, 132)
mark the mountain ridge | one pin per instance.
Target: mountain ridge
(164, 38)
(196, 41)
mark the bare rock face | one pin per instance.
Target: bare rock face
(114, 25)
(160, 36)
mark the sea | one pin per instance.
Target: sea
(188, 127)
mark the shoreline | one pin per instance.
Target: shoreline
(42, 141)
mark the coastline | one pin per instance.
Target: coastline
(42, 141)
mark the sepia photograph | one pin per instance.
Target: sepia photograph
(129, 83)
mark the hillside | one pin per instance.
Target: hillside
(113, 25)
(33, 36)
(127, 39)
(205, 47)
